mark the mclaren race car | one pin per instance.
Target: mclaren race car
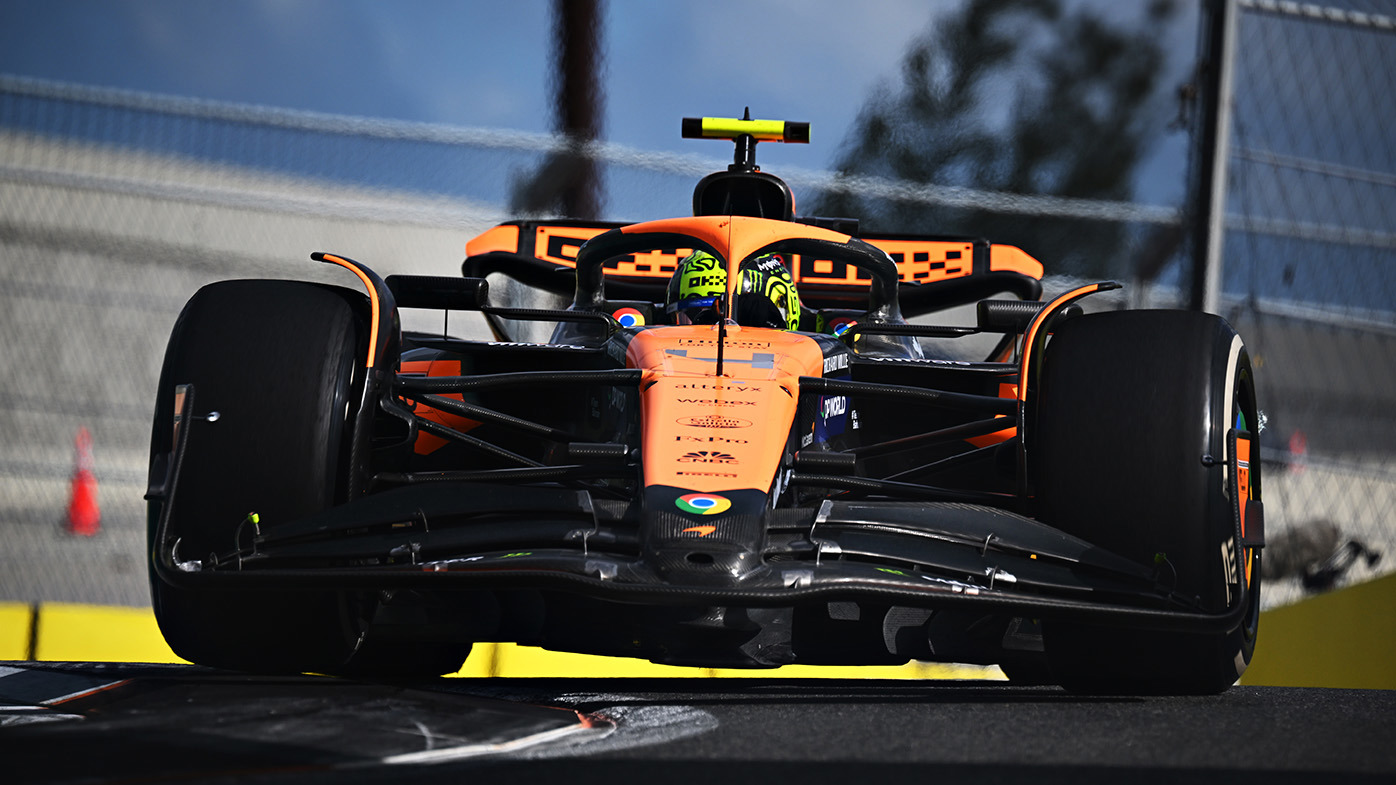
(733, 449)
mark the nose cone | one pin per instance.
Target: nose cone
(703, 539)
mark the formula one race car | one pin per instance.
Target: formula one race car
(734, 451)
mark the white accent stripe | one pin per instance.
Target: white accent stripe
(1232, 360)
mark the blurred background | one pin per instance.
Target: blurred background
(1236, 157)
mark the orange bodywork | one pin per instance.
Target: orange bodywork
(503, 238)
(1010, 392)
(374, 306)
(1030, 337)
(428, 443)
(718, 433)
(1007, 258)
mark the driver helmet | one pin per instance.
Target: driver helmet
(767, 297)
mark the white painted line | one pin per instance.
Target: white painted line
(478, 750)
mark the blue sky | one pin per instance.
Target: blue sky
(486, 63)
(478, 63)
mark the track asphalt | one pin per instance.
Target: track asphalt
(137, 723)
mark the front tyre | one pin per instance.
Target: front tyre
(282, 362)
(1131, 452)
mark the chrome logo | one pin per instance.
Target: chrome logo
(703, 503)
(629, 317)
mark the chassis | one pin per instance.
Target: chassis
(1082, 507)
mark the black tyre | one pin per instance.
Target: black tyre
(281, 363)
(1028, 672)
(1134, 412)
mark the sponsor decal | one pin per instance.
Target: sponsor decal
(710, 439)
(921, 361)
(842, 327)
(716, 402)
(709, 281)
(714, 421)
(1228, 553)
(703, 503)
(770, 264)
(837, 362)
(833, 406)
(725, 475)
(730, 343)
(707, 456)
(701, 531)
(629, 317)
(537, 345)
(782, 480)
(832, 418)
(726, 388)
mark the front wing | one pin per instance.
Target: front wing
(455, 535)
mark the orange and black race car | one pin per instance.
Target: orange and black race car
(734, 449)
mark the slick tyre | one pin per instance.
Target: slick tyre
(282, 364)
(1131, 453)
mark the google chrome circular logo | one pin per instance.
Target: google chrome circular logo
(703, 503)
(629, 317)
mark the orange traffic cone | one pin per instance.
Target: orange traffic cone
(84, 517)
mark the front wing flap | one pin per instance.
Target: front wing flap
(458, 536)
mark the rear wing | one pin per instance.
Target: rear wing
(935, 272)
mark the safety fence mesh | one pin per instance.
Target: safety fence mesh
(1309, 271)
(116, 206)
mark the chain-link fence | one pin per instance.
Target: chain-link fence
(1310, 279)
(116, 206)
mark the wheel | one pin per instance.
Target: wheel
(1134, 411)
(281, 363)
(276, 360)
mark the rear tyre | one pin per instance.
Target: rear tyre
(1134, 414)
(281, 362)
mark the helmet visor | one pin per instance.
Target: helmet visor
(695, 310)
